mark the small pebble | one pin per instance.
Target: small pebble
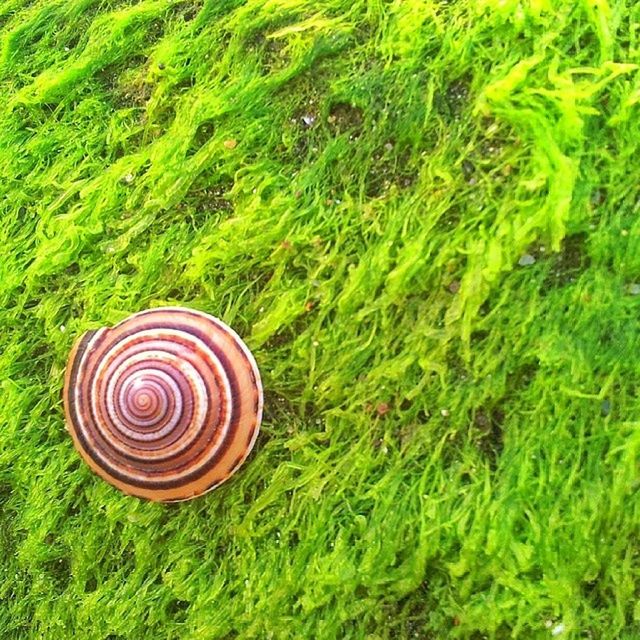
(526, 260)
(230, 144)
(444, 413)
(308, 120)
(454, 286)
(382, 409)
(558, 629)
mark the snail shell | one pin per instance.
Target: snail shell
(165, 405)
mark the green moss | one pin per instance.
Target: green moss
(450, 445)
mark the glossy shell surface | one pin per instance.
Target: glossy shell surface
(165, 405)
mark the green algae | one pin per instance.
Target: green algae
(450, 445)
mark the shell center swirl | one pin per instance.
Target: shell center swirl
(145, 400)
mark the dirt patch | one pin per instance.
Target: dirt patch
(488, 433)
(390, 167)
(208, 195)
(125, 82)
(451, 101)
(345, 117)
(187, 10)
(568, 263)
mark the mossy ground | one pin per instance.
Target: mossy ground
(422, 216)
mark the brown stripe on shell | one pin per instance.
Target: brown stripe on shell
(165, 405)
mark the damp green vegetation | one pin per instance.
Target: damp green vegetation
(422, 216)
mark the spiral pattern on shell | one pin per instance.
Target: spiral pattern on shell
(165, 405)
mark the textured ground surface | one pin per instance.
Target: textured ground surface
(423, 218)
